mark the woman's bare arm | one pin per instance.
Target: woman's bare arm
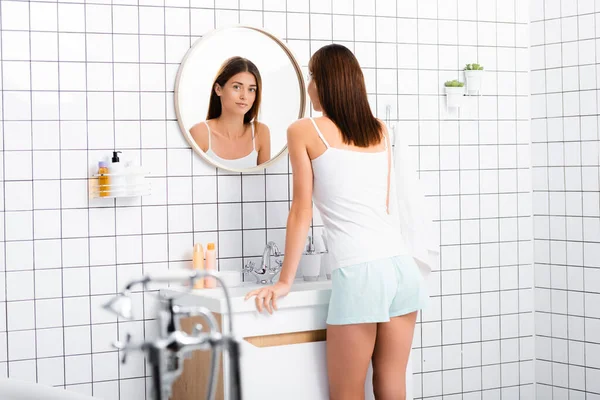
(298, 219)
(301, 211)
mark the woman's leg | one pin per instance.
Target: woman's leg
(349, 351)
(392, 348)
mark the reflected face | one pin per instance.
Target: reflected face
(238, 93)
(312, 93)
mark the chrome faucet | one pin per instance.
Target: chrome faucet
(266, 272)
(167, 352)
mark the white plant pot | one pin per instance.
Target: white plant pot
(474, 78)
(454, 96)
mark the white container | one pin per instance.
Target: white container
(454, 96)
(473, 78)
(326, 257)
(326, 265)
(231, 278)
(118, 180)
(310, 265)
(135, 178)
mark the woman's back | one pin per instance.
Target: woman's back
(350, 190)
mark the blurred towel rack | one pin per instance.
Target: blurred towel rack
(391, 128)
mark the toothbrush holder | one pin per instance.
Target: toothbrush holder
(326, 264)
(310, 265)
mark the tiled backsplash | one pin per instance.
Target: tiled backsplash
(566, 204)
(80, 80)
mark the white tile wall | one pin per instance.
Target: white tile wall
(80, 79)
(564, 88)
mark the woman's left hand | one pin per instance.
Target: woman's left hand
(267, 296)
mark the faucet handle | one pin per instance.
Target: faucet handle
(249, 267)
(197, 329)
(278, 267)
(124, 346)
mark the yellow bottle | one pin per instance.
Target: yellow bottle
(103, 180)
(198, 264)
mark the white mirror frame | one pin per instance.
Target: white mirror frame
(188, 136)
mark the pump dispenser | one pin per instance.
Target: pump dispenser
(117, 176)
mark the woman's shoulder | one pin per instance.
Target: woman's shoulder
(382, 126)
(199, 133)
(199, 127)
(308, 122)
(261, 128)
(299, 125)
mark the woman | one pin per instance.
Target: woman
(342, 161)
(231, 134)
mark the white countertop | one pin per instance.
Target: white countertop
(302, 294)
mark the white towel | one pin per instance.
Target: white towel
(416, 224)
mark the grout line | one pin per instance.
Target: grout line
(596, 99)
(64, 344)
(460, 250)
(114, 201)
(418, 98)
(499, 221)
(582, 204)
(549, 207)
(141, 158)
(439, 171)
(565, 219)
(35, 333)
(5, 305)
(480, 317)
(519, 289)
(89, 271)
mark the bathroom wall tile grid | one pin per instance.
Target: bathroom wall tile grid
(564, 90)
(107, 69)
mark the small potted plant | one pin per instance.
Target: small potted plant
(473, 75)
(454, 92)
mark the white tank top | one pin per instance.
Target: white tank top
(350, 190)
(249, 161)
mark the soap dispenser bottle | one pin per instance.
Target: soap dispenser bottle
(117, 176)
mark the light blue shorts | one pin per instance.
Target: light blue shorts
(376, 291)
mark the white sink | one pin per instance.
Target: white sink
(302, 294)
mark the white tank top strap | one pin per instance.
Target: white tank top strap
(385, 139)
(253, 143)
(319, 132)
(389, 172)
(208, 127)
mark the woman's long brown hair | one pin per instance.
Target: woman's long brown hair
(231, 67)
(343, 95)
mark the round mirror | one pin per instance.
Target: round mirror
(237, 91)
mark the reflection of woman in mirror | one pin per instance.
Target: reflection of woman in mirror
(231, 135)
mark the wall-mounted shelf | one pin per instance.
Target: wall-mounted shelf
(128, 184)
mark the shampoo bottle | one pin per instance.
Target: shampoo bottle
(103, 179)
(198, 264)
(211, 265)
